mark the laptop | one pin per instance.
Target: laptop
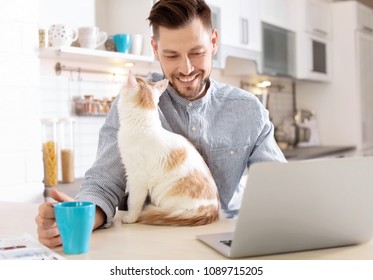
(301, 205)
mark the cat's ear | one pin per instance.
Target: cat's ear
(161, 86)
(131, 80)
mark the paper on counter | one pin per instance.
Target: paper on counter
(25, 247)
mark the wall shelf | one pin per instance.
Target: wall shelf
(92, 55)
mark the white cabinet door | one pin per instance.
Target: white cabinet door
(314, 41)
(239, 23)
(229, 22)
(318, 17)
(365, 18)
(365, 62)
(281, 13)
(252, 32)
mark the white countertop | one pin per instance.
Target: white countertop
(136, 242)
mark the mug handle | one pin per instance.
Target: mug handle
(101, 39)
(75, 34)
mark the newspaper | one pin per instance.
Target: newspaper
(25, 247)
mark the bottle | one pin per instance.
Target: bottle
(50, 152)
(67, 149)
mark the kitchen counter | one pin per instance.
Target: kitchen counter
(137, 241)
(303, 153)
(69, 188)
(296, 153)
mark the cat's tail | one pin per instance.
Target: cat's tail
(153, 215)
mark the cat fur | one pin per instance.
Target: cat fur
(161, 164)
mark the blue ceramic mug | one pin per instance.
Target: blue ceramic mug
(122, 42)
(75, 220)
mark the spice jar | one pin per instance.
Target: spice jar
(50, 152)
(88, 105)
(67, 149)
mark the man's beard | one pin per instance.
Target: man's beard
(188, 91)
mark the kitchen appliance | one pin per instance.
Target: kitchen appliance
(314, 40)
(314, 56)
(278, 51)
(306, 129)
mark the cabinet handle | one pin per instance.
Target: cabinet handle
(319, 31)
(368, 29)
(244, 23)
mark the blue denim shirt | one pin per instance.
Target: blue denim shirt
(228, 126)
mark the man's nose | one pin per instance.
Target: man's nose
(186, 66)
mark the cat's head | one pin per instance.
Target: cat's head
(142, 93)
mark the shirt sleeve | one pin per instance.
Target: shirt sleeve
(104, 183)
(266, 148)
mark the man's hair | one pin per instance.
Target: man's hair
(174, 14)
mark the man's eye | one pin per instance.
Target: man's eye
(171, 56)
(198, 53)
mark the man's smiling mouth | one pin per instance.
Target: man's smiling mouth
(187, 79)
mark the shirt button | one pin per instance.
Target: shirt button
(193, 128)
(190, 104)
(231, 152)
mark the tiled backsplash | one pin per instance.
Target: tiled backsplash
(57, 93)
(281, 101)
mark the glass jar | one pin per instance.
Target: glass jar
(88, 105)
(67, 149)
(50, 152)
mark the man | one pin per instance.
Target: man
(228, 126)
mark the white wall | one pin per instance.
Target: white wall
(20, 149)
(71, 12)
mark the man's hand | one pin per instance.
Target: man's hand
(47, 230)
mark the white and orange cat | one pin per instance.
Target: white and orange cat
(160, 164)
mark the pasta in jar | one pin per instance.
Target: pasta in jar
(50, 160)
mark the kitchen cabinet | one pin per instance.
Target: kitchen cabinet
(315, 17)
(364, 51)
(365, 18)
(314, 40)
(279, 13)
(239, 23)
(310, 20)
(344, 106)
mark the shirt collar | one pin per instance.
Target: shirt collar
(187, 103)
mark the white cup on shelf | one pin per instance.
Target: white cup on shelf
(91, 37)
(137, 44)
(147, 49)
(61, 35)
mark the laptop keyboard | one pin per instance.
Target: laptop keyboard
(226, 242)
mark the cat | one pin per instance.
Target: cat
(161, 165)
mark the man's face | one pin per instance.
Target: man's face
(185, 55)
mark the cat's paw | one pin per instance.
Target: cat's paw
(128, 218)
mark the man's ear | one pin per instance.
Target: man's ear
(154, 47)
(214, 41)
